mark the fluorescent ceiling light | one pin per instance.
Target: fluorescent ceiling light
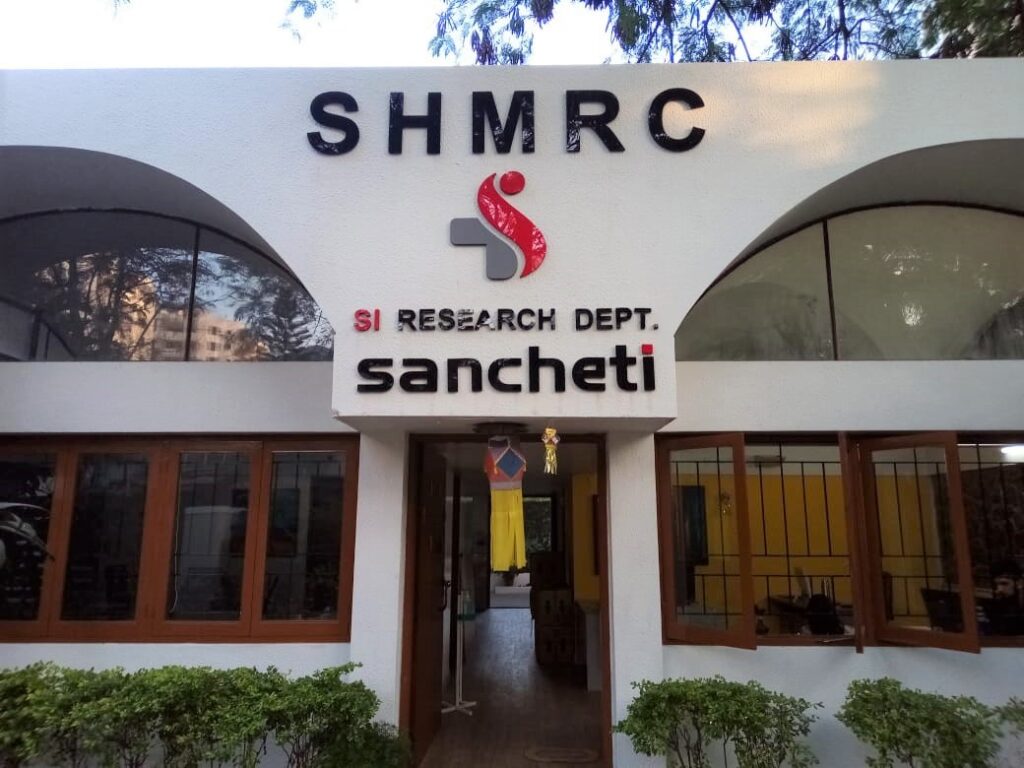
(1013, 452)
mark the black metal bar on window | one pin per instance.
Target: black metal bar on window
(920, 519)
(721, 528)
(899, 507)
(803, 499)
(828, 511)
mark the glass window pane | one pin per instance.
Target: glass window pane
(26, 496)
(799, 545)
(928, 282)
(773, 306)
(247, 308)
(106, 537)
(706, 565)
(208, 559)
(919, 569)
(94, 286)
(993, 485)
(307, 493)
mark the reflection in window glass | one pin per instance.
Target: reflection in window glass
(801, 557)
(93, 286)
(919, 568)
(26, 495)
(207, 563)
(304, 535)
(993, 487)
(248, 309)
(928, 282)
(106, 537)
(773, 306)
(706, 565)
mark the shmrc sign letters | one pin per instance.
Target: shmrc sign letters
(629, 373)
(584, 110)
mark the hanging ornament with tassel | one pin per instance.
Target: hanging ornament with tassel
(550, 439)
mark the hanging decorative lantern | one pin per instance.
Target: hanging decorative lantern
(550, 439)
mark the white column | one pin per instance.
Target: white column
(377, 591)
(634, 586)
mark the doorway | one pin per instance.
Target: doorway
(507, 667)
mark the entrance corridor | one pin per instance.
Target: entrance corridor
(521, 708)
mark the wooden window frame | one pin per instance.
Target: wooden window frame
(674, 630)
(883, 631)
(150, 623)
(871, 627)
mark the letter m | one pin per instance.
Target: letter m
(484, 108)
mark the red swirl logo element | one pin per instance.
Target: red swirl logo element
(510, 221)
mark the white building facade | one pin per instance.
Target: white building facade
(801, 192)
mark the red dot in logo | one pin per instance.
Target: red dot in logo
(512, 183)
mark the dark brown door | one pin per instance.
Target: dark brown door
(431, 600)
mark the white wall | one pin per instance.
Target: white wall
(378, 581)
(97, 398)
(847, 395)
(641, 228)
(293, 658)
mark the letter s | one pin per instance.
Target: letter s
(317, 109)
(382, 380)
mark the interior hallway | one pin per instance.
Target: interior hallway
(519, 705)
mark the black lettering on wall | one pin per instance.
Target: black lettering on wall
(656, 121)
(484, 108)
(476, 382)
(382, 380)
(536, 362)
(588, 374)
(424, 380)
(494, 374)
(576, 122)
(399, 122)
(318, 110)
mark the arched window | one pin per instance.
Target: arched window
(92, 285)
(907, 282)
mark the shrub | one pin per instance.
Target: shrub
(313, 715)
(22, 717)
(377, 745)
(126, 719)
(918, 729)
(682, 718)
(196, 715)
(70, 734)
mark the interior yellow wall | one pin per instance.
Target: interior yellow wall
(586, 584)
(803, 518)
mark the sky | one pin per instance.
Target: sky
(242, 33)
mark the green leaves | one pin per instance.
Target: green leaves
(683, 718)
(923, 730)
(501, 31)
(191, 717)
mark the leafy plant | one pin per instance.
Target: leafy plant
(682, 718)
(71, 736)
(313, 715)
(126, 719)
(244, 726)
(377, 745)
(22, 717)
(919, 729)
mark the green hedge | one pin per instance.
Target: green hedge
(688, 720)
(187, 717)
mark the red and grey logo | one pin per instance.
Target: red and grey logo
(500, 257)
